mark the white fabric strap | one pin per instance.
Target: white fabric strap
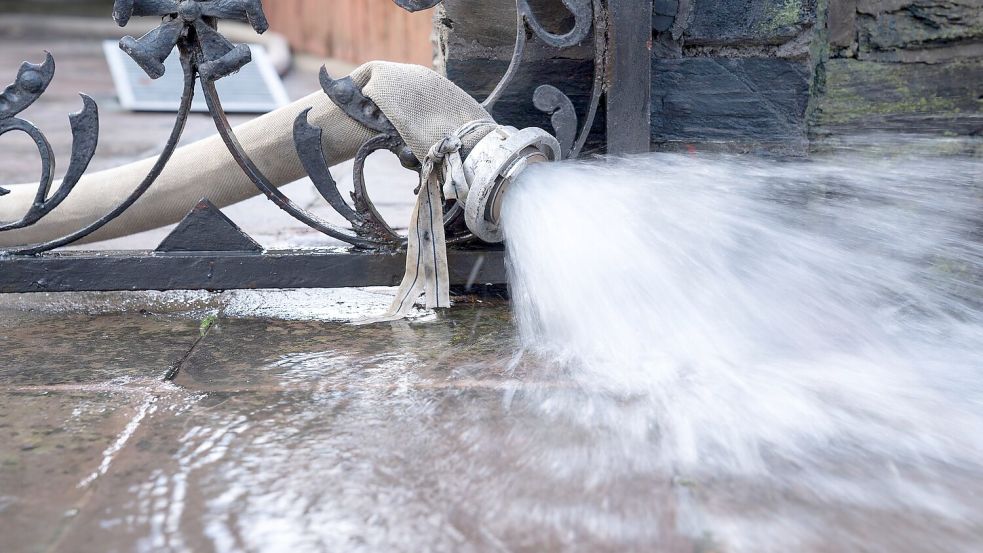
(442, 177)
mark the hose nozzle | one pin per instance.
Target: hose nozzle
(492, 167)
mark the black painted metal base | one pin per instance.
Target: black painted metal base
(337, 268)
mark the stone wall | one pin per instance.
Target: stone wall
(751, 75)
(901, 65)
(732, 73)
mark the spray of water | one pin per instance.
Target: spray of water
(802, 341)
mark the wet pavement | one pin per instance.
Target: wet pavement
(167, 430)
(206, 423)
(163, 431)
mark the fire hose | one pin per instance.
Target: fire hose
(466, 156)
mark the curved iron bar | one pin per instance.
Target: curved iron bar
(308, 143)
(581, 10)
(31, 82)
(155, 171)
(85, 137)
(373, 221)
(47, 169)
(365, 220)
(588, 14)
(599, 86)
(263, 183)
(563, 115)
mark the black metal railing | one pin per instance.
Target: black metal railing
(202, 262)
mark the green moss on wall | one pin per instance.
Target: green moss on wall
(871, 95)
(780, 16)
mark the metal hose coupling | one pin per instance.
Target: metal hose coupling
(492, 167)
(479, 182)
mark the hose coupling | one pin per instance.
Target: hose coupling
(492, 167)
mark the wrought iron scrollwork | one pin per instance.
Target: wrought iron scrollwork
(558, 105)
(32, 80)
(219, 57)
(207, 56)
(365, 218)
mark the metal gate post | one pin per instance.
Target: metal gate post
(629, 78)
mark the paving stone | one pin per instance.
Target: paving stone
(372, 468)
(468, 344)
(53, 445)
(73, 349)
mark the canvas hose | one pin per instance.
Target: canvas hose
(437, 120)
(442, 178)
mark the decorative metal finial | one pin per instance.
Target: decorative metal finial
(417, 5)
(220, 57)
(32, 80)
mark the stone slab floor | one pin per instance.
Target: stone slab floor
(150, 431)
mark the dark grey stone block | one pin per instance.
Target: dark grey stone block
(748, 21)
(864, 96)
(720, 99)
(890, 24)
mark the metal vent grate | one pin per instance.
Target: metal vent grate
(255, 89)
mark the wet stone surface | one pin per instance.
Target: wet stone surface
(278, 435)
(51, 442)
(79, 349)
(262, 354)
(433, 434)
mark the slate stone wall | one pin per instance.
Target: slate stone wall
(733, 74)
(901, 65)
(753, 75)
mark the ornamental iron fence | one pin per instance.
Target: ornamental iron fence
(207, 250)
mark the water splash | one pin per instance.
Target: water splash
(809, 330)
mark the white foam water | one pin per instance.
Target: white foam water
(798, 346)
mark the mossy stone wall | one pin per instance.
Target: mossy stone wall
(754, 75)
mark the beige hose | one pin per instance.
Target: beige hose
(423, 106)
